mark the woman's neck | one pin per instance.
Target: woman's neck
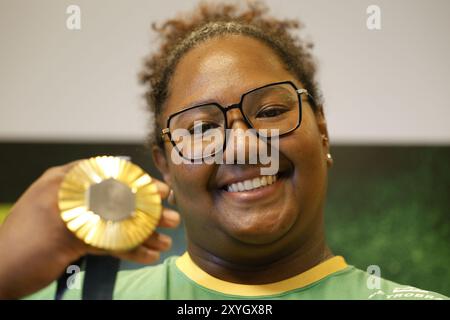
(303, 258)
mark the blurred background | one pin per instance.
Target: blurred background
(70, 94)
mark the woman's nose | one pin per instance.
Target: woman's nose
(242, 141)
(236, 120)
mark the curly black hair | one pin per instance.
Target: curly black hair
(210, 20)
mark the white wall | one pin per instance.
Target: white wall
(387, 86)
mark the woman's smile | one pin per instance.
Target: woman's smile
(244, 185)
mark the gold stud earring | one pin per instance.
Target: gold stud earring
(171, 198)
(329, 160)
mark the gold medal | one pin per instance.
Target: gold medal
(109, 203)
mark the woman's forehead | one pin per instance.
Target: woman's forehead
(221, 69)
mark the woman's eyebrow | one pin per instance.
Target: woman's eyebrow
(199, 103)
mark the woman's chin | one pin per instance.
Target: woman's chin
(256, 231)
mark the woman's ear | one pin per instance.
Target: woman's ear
(323, 130)
(160, 160)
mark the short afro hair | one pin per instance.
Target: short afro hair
(211, 20)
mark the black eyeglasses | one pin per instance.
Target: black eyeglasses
(272, 110)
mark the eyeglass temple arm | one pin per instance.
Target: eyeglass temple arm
(164, 132)
(301, 91)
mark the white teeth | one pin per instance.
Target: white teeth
(248, 184)
(263, 181)
(256, 182)
(251, 184)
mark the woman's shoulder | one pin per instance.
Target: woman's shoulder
(355, 283)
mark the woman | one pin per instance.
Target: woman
(248, 235)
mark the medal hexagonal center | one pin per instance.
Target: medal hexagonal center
(111, 199)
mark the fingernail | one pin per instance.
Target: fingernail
(153, 254)
(166, 240)
(173, 216)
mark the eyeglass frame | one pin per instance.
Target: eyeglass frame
(166, 131)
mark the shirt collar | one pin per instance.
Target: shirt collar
(187, 266)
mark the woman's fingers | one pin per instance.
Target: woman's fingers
(162, 188)
(66, 167)
(169, 218)
(148, 251)
(158, 241)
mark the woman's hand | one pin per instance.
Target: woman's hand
(36, 246)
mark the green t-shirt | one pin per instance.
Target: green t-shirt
(180, 278)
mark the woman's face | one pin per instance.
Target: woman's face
(257, 224)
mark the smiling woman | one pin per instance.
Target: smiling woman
(248, 235)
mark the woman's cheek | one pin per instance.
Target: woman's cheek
(304, 150)
(186, 178)
(190, 183)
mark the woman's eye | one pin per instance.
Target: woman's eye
(271, 112)
(202, 127)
